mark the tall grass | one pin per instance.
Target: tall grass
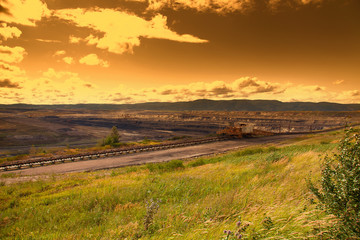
(199, 198)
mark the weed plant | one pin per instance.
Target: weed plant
(339, 193)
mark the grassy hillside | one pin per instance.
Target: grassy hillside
(198, 199)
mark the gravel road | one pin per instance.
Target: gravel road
(153, 157)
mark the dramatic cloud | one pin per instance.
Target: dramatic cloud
(11, 54)
(6, 83)
(93, 60)
(7, 32)
(120, 32)
(24, 12)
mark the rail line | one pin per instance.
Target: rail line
(14, 165)
(29, 163)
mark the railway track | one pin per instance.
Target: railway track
(15, 165)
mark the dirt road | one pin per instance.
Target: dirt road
(152, 157)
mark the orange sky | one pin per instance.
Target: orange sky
(128, 51)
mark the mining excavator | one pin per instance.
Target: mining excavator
(242, 130)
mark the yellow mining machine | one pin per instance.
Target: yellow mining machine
(231, 132)
(236, 130)
(240, 130)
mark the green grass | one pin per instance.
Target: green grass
(199, 198)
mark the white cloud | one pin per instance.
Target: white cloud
(7, 32)
(24, 12)
(93, 60)
(120, 32)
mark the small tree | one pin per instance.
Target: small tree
(113, 139)
(339, 193)
(115, 136)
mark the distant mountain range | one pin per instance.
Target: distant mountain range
(204, 104)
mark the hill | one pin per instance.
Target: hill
(204, 104)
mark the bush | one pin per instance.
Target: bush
(113, 139)
(339, 193)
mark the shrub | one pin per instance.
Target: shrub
(113, 139)
(339, 193)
